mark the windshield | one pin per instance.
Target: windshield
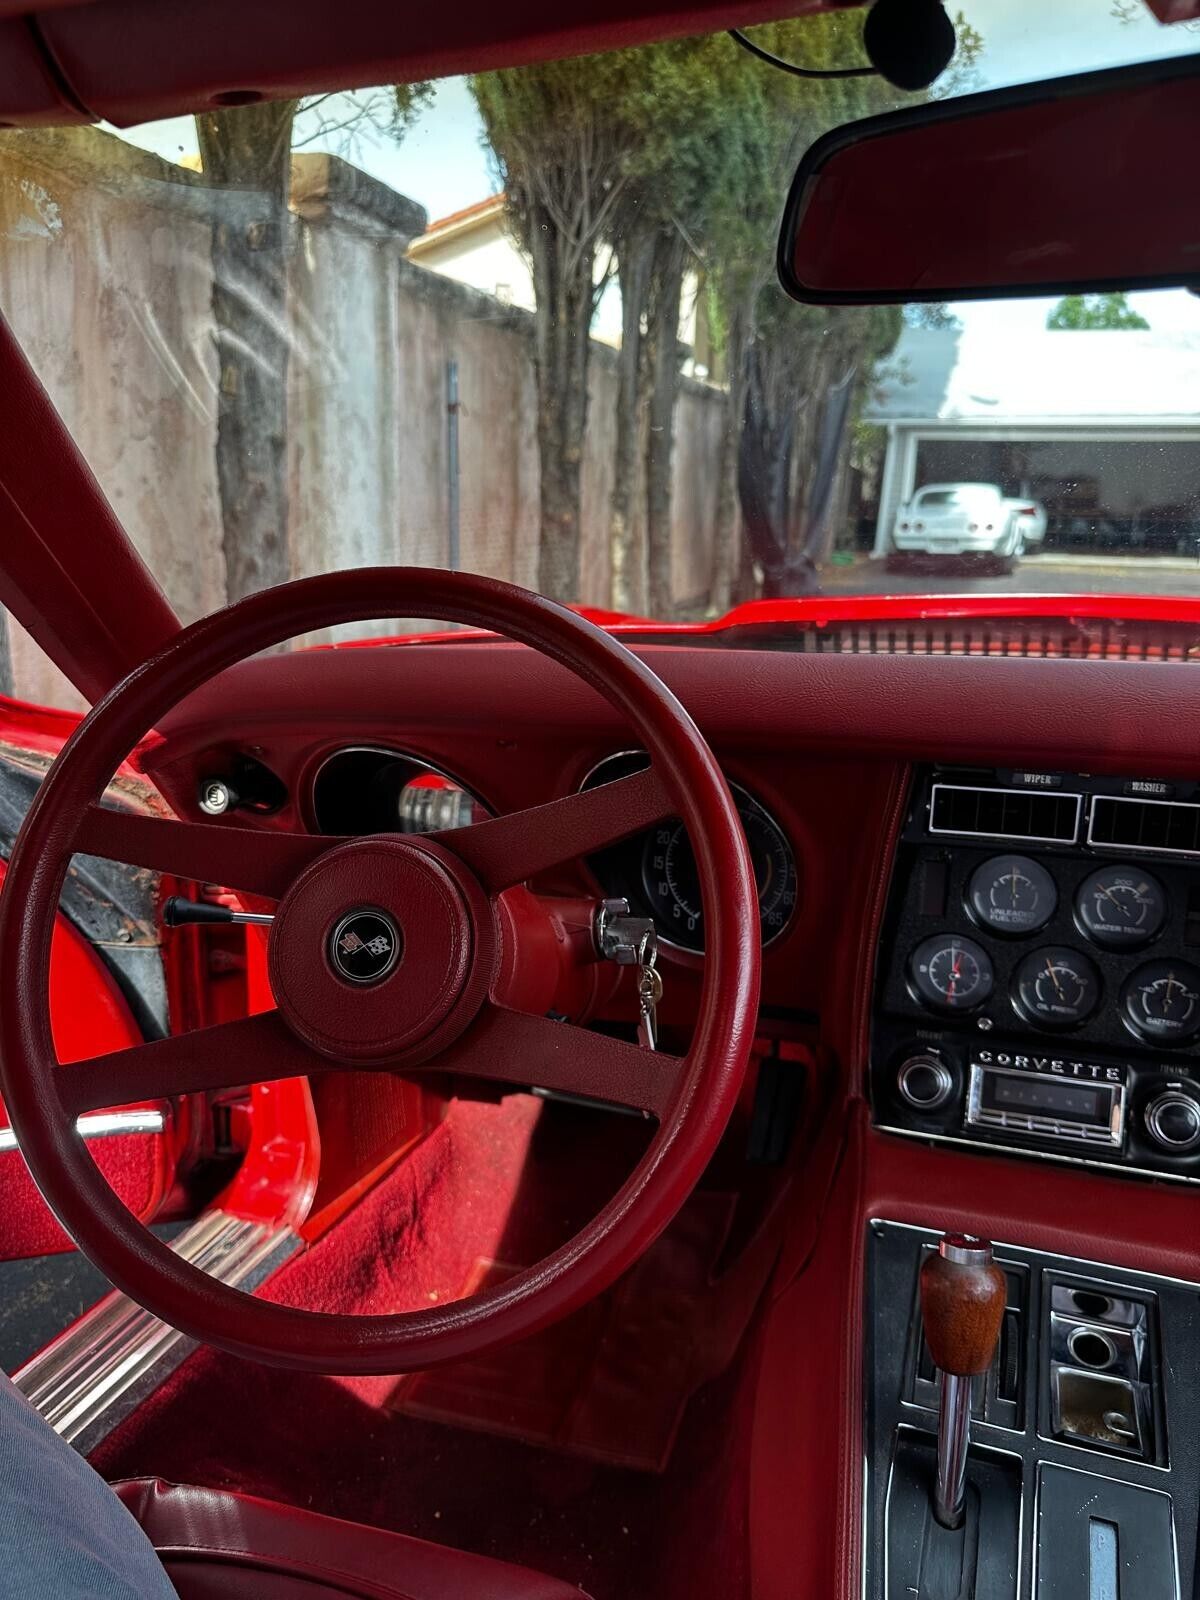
(526, 323)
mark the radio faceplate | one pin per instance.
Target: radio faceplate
(1076, 1101)
(1040, 995)
(936, 1084)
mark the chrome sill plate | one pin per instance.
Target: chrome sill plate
(102, 1125)
(96, 1372)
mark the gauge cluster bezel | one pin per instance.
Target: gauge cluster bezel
(328, 811)
(930, 897)
(620, 870)
(1108, 1022)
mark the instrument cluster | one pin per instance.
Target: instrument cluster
(1116, 908)
(1038, 977)
(656, 871)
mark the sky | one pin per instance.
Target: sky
(442, 162)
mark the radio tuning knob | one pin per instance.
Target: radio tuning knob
(1173, 1120)
(926, 1082)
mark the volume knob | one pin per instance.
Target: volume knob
(1173, 1120)
(926, 1082)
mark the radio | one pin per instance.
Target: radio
(1052, 1097)
(1084, 1108)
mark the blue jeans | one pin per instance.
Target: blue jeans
(64, 1535)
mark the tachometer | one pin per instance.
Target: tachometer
(672, 883)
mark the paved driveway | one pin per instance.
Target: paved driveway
(1050, 574)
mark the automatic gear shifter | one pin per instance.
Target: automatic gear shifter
(962, 1305)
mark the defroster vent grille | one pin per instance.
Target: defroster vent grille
(1004, 813)
(1168, 825)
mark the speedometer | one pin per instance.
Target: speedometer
(672, 882)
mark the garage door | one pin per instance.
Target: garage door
(1100, 495)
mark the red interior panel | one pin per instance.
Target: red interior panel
(134, 60)
(88, 1016)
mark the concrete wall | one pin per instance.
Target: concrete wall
(104, 275)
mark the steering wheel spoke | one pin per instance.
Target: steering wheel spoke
(527, 1051)
(253, 860)
(510, 849)
(255, 1049)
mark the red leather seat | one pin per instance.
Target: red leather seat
(222, 1546)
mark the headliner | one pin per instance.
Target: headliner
(128, 61)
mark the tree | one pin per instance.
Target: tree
(610, 159)
(806, 376)
(681, 102)
(797, 375)
(1085, 311)
(781, 360)
(561, 155)
(933, 314)
(245, 154)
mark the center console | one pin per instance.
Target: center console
(1038, 978)
(1082, 1471)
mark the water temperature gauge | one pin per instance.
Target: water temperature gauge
(950, 973)
(1120, 907)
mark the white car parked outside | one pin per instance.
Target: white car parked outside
(956, 519)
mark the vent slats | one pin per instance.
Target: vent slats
(1167, 825)
(1004, 813)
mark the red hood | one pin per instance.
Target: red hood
(823, 611)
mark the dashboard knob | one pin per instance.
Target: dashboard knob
(1173, 1120)
(926, 1082)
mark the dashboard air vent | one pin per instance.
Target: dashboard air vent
(1004, 813)
(1168, 825)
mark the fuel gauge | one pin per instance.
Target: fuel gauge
(1012, 894)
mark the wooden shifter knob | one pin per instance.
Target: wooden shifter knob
(962, 1304)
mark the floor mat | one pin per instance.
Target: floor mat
(497, 1183)
(610, 1382)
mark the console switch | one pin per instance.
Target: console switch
(1173, 1120)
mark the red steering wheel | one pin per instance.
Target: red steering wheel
(430, 1007)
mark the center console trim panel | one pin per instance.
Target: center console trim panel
(891, 1411)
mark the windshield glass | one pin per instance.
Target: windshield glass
(527, 324)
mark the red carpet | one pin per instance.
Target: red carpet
(497, 1183)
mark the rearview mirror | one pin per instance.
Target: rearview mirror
(1075, 184)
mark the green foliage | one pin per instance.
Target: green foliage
(1084, 311)
(935, 314)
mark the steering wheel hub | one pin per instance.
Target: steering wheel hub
(373, 950)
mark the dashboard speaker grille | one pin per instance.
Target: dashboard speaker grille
(1004, 813)
(1167, 825)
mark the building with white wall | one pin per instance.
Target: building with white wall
(1101, 427)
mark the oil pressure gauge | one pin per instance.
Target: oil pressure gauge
(1120, 908)
(1056, 987)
